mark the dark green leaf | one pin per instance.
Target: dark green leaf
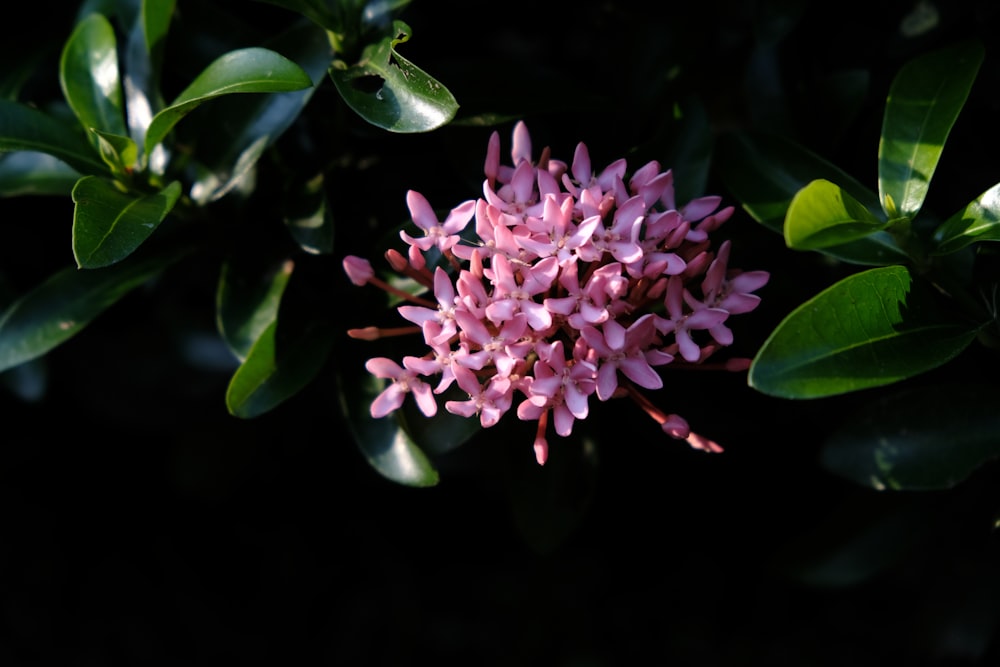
(64, 304)
(384, 442)
(320, 12)
(250, 70)
(308, 216)
(549, 503)
(235, 132)
(90, 78)
(822, 214)
(924, 101)
(444, 431)
(108, 224)
(32, 173)
(921, 439)
(864, 536)
(277, 367)
(765, 172)
(871, 329)
(23, 128)
(979, 221)
(691, 151)
(391, 92)
(247, 303)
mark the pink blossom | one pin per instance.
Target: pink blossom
(576, 282)
(404, 381)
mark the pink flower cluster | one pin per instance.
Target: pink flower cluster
(577, 283)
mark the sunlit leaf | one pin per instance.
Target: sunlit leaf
(921, 439)
(924, 101)
(24, 128)
(822, 214)
(766, 171)
(383, 442)
(108, 224)
(390, 92)
(236, 130)
(247, 303)
(64, 304)
(979, 221)
(119, 153)
(873, 328)
(90, 78)
(277, 368)
(250, 70)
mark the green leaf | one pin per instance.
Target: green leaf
(979, 221)
(308, 216)
(32, 173)
(390, 92)
(383, 442)
(870, 329)
(247, 303)
(765, 172)
(108, 224)
(250, 70)
(64, 304)
(926, 438)
(924, 100)
(235, 132)
(277, 367)
(23, 128)
(89, 76)
(155, 17)
(118, 152)
(822, 214)
(444, 431)
(691, 152)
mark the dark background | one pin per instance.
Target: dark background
(144, 525)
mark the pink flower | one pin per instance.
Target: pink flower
(404, 381)
(442, 235)
(576, 282)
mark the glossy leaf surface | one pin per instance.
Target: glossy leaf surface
(118, 152)
(64, 304)
(979, 221)
(276, 369)
(922, 439)
(870, 329)
(250, 70)
(385, 444)
(90, 78)
(24, 128)
(247, 303)
(924, 101)
(822, 214)
(236, 130)
(765, 172)
(390, 92)
(108, 224)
